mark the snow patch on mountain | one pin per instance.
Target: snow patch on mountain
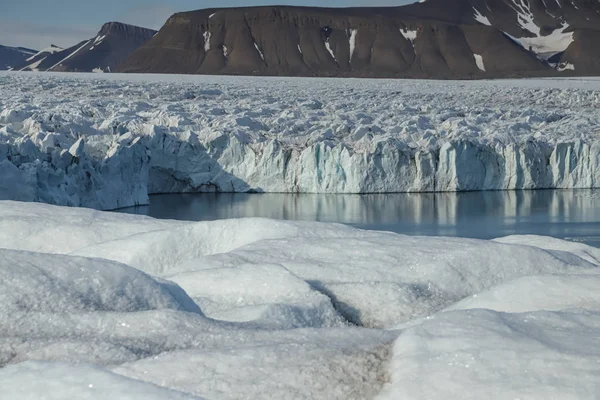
(479, 62)
(260, 53)
(565, 67)
(549, 45)
(48, 50)
(330, 50)
(69, 56)
(206, 36)
(481, 18)
(525, 17)
(34, 66)
(410, 35)
(352, 41)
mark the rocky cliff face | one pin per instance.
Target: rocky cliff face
(114, 43)
(437, 38)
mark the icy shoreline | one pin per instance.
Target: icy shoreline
(108, 142)
(97, 305)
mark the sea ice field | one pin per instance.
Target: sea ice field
(101, 305)
(108, 141)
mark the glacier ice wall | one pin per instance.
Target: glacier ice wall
(385, 167)
(71, 177)
(107, 142)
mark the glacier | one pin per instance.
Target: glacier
(98, 305)
(109, 141)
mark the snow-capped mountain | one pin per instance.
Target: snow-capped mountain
(12, 56)
(102, 53)
(433, 38)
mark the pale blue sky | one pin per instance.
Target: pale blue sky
(38, 23)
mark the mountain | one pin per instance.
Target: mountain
(431, 39)
(102, 53)
(33, 63)
(11, 56)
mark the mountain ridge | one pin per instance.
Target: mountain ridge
(11, 56)
(114, 42)
(433, 39)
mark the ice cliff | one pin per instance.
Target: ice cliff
(109, 142)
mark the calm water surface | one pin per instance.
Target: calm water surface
(572, 214)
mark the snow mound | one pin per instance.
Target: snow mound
(37, 282)
(379, 279)
(538, 293)
(373, 279)
(56, 381)
(268, 296)
(589, 253)
(516, 317)
(62, 230)
(476, 354)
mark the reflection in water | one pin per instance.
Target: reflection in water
(560, 213)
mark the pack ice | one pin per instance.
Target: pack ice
(107, 142)
(96, 305)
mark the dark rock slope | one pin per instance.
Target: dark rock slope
(436, 38)
(13, 56)
(114, 43)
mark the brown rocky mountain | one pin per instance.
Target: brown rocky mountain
(113, 44)
(435, 38)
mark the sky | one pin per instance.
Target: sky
(38, 23)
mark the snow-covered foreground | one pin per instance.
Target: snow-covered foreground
(96, 305)
(106, 142)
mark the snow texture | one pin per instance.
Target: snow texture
(149, 134)
(59, 381)
(100, 305)
(479, 354)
